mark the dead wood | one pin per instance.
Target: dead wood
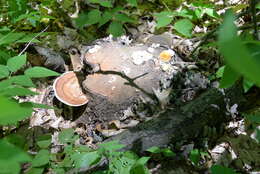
(185, 123)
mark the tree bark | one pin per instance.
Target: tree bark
(186, 123)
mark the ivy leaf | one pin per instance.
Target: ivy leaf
(184, 27)
(41, 159)
(229, 77)
(44, 141)
(254, 118)
(11, 157)
(4, 71)
(235, 52)
(37, 72)
(163, 18)
(22, 80)
(116, 29)
(217, 169)
(12, 112)
(15, 63)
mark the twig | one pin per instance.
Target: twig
(28, 44)
(130, 81)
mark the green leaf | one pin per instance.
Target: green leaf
(212, 13)
(220, 72)
(235, 52)
(111, 146)
(35, 171)
(22, 80)
(15, 63)
(154, 149)
(163, 18)
(247, 84)
(4, 71)
(41, 159)
(195, 156)
(66, 136)
(168, 152)
(28, 38)
(132, 2)
(229, 77)
(11, 157)
(37, 72)
(184, 27)
(84, 19)
(16, 91)
(107, 16)
(44, 141)
(139, 167)
(5, 84)
(253, 118)
(39, 105)
(123, 18)
(85, 159)
(116, 29)
(104, 3)
(12, 112)
(11, 38)
(217, 169)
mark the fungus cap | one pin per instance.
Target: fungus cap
(67, 90)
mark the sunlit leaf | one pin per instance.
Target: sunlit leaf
(163, 18)
(66, 136)
(85, 159)
(11, 111)
(235, 52)
(22, 80)
(16, 91)
(4, 71)
(17, 62)
(184, 27)
(37, 72)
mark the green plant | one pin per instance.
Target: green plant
(188, 15)
(116, 16)
(240, 63)
(75, 157)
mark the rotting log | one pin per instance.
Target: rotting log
(185, 123)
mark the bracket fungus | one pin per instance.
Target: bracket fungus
(67, 90)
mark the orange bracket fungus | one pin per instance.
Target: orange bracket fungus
(67, 90)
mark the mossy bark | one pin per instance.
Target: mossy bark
(182, 124)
